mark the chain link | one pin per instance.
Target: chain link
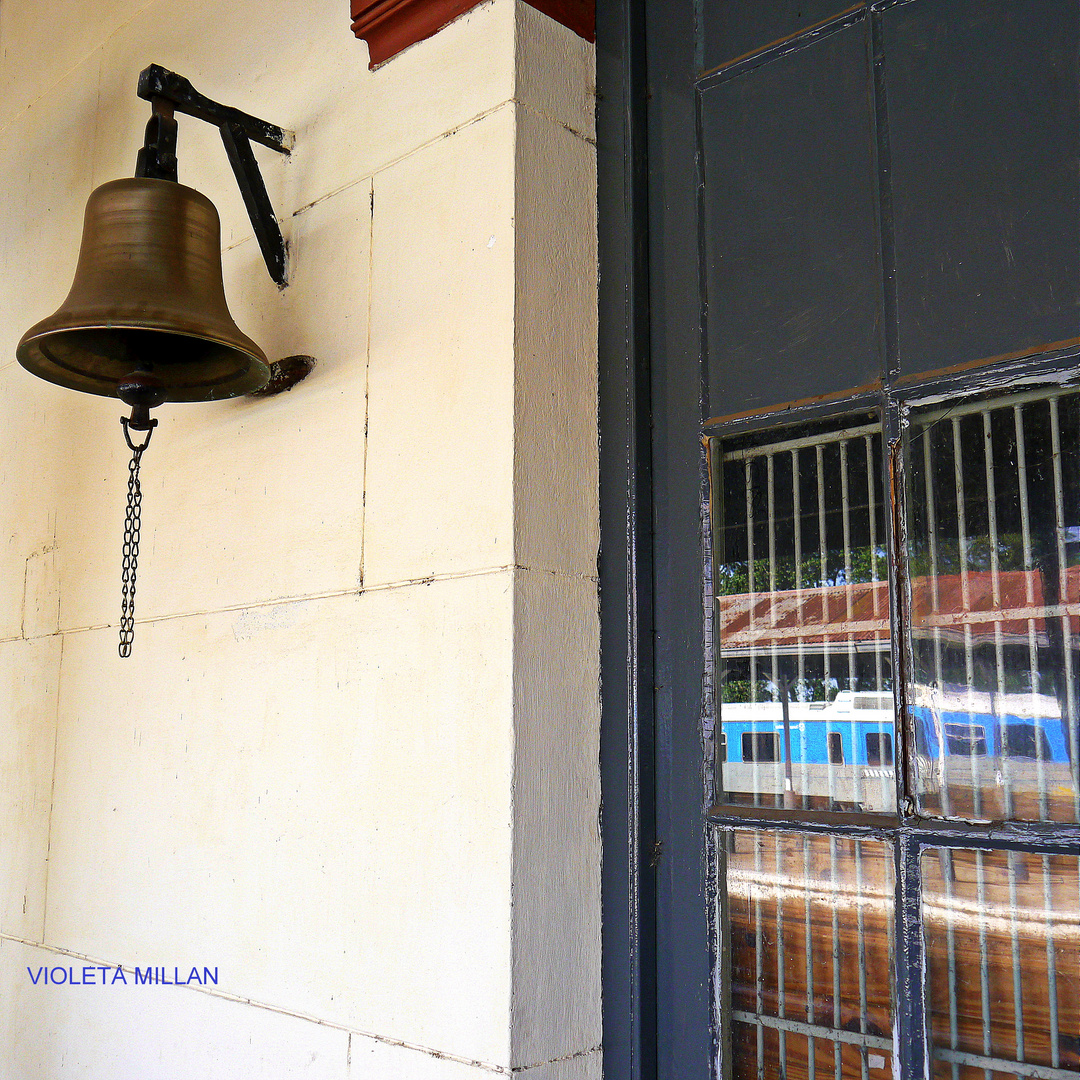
(132, 528)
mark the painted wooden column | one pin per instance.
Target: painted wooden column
(388, 26)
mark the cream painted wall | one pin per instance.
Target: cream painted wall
(352, 763)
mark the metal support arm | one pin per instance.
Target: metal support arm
(167, 92)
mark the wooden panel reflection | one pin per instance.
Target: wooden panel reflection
(811, 922)
(811, 926)
(1003, 949)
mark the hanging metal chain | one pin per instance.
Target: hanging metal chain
(132, 527)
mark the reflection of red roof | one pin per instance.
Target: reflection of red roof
(837, 612)
(1011, 602)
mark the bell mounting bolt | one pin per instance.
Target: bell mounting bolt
(170, 93)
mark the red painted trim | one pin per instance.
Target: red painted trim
(388, 26)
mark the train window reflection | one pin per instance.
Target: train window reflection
(836, 748)
(759, 747)
(994, 570)
(1026, 741)
(965, 739)
(879, 749)
(800, 565)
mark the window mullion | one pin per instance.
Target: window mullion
(912, 1037)
(910, 1024)
(893, 468)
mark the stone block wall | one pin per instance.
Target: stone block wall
(352, 762)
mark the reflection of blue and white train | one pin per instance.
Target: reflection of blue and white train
(853, 729)
(840, 748)
(985, 725)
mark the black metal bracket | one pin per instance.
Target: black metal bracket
(168, 93)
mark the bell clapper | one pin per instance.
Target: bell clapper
(143, 391)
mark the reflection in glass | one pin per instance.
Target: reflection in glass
(810, 933)
(802, 601)
(994, 549)
(1003, 954)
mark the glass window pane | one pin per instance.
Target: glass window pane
(810, 932)
(802, 598)
(983, 99)
(730, 31)
(994, 562)
(790, 241)
(1003, 956)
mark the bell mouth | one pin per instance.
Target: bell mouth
(147, 295)
(95, 360)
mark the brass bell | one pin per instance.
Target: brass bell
(147, 302)
(146, 319)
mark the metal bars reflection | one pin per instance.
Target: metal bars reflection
(803, 618)
(994, 550)
(1011, 935)
(992, 618)
(994, 514)
(810, 955)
